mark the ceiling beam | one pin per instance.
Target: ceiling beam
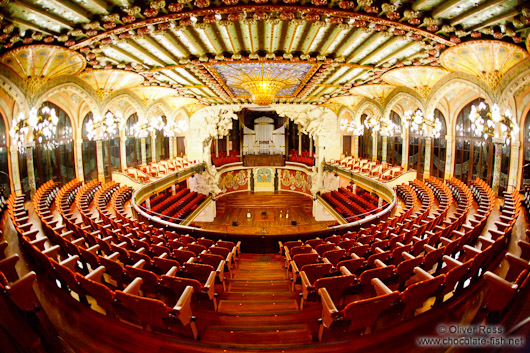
(378, 50)
(398, 52)
(144, 52)
(420, 5)
(33, 26)
(474, 11)
(445, 7)
(161, 48)
(72, 7)
(101, 5)
(495, 20)
(42, 13)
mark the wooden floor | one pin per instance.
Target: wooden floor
(268, 211)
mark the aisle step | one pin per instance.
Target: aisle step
(257, 307)
(251, 335)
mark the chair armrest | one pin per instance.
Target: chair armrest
(52, 252)
(70, 262)
(345, 271)
(209, 286)
(380, 287)
(134, 286)
(450, 262)
(183, 306)
(97, 274)
(329, 310)
(172, 271)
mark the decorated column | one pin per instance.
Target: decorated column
(175, 147)
(153, 147)
(99, 159)
(123, 154)
(497, 164)
(15, 173)
(79, 160)
(228, 144)
(374, 146)
(449, 142)
(299, 141)
(310, 146)
(171, 154)
(355, 147)
(383, 151)
(30, 167)
(405, 156)
(216, 148)
(427, 164)
(143, 150)
(514, 163)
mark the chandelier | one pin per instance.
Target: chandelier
(43, 124)
(265, 83)
(104, 127)
(144, 127)
(384, 126)
(420, 124)
(173, 128)
(485, 122)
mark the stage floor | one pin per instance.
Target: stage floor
(268, 214)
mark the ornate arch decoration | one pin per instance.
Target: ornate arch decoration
(159, 106)
(402, 95)
(20, 104)
(367, 105)
(76, 116)
(515, 88)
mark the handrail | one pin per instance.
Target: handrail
(365, 182)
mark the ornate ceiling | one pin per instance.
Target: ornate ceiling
(197, 47)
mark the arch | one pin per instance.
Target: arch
(125, 103)
(394, 102)
(89, 151)
(367, 105)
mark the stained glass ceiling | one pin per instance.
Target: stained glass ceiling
(193, 46)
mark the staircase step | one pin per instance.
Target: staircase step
(279, 336)
(257, 307)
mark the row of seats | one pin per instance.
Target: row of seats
(223, 158)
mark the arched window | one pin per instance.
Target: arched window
(54, 158)
(416, 152)
(473, 154)
(365, 141)
(111, 155)
(90, 171)
(162, 144)
(438, 149)
(132, 145)
(526, 152)
(395, 142)
(148, 151)
(5, 187)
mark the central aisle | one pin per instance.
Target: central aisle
(260, 310)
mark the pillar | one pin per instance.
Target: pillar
(299, 141)
(99, 159)
(31, 168)
(449, 153)
(171, 152)
(228, 144)
(497, 166)
(513, 174)
(15, 171)
(79, 172)
(405, 151)
(216, 148)
(153, 147)
(374, 146)
(143, 150)
(175, 147)
(384, 150)
(427, 161)
(310, 146)
(123, 154)
(355, 147)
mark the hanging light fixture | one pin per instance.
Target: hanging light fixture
(104, 127)
(421, 125)
(383, 126)
(355, 128)
(173, 128)
(142, 128)
(486, 122)
(43, 123)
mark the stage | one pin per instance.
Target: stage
(271, 213)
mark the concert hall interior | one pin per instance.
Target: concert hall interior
(264, 176)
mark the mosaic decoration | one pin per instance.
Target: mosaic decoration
(295, 181)
(151, 94)
(350, 101)
(38, 64)
(419, 78)
(105, 82)
(488, 60)
(263, 175)
(375, 92)
(233, 181)
(233, 74)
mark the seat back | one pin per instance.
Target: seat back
(322, 248)
(182, 255)
(316, 271)
(200, 272)
(178, 284)
(148, 312)
(304, 249)
(196, 248)
(363, 314)
(381, 272)
(304, 259)
(351, 264)
(101, 293)
(150, 279)
(415, 294)
(334, 256)
(336, 285)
